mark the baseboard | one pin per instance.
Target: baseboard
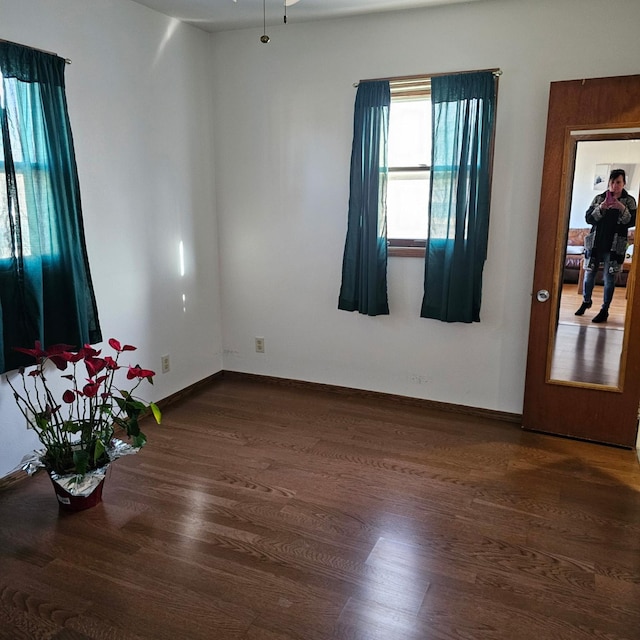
(503, 416)
(183, 394)
(405, 400)
(187, 391)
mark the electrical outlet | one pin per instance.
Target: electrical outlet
(259, 345)
(166, 364)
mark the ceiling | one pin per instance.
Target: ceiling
(225, 15)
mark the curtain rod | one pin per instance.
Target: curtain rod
(67, 60)
(496, 72)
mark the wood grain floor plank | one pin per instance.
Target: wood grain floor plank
(268, 512)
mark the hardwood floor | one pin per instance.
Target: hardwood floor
(584, 351)
(571, 300)
(265, 512)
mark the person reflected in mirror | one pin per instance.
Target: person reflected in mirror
(610, 215)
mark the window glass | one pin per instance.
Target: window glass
(409, 171)
(410, 132)
(7, 249)
(407, 205)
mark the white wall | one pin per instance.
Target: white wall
(620, 154)
(139, 94)
(283, 121)
(282, 116)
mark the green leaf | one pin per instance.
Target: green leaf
(136, 405)
(133, 429)
(71, 426)
(106, 407)
(139, 440)
(81, 461)
(156, 411)
(99, 451)
(121, 422)
(42, 422)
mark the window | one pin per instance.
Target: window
(409, 160)
(452, 196)
(21, 220)
(46, 293)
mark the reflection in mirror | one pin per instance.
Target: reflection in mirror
(584, 352)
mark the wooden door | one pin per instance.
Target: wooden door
(606, 413)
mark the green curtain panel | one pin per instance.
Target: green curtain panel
(463, 108)
(364, 265)
(46, 292)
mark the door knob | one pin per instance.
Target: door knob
(542, 295)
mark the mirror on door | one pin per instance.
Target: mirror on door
(584, 352)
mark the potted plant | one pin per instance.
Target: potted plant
(76, 417)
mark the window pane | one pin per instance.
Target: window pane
(407, 205)
(6, 246)
(409, 146)
(410, 133)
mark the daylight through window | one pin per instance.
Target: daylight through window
(409, 159)
(7, 248)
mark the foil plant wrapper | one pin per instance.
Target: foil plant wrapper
(81, 486)
(118, 449)
(78, 485)
(32, 462)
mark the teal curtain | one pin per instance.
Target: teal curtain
(364, 265)
(463, 108)
(46, 292)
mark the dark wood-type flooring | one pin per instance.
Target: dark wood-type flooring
(268, 512)
(584, 351)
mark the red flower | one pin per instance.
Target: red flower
(93, 386)
(60, 361)
(52, 352)
(88, 351)
(110, 363)
(68, 396)
(94, 365)
(91, 389)
(36, 352)
(57, 349)
(115, 344)
(137, 372)
(72, 356)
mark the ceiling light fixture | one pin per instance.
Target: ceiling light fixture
(264, 38)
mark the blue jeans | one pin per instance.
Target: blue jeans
(609, 282)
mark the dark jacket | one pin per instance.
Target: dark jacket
(608, 230)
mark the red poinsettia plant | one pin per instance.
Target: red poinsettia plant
(78, 430)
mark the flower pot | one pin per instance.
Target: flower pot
(88, 495)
